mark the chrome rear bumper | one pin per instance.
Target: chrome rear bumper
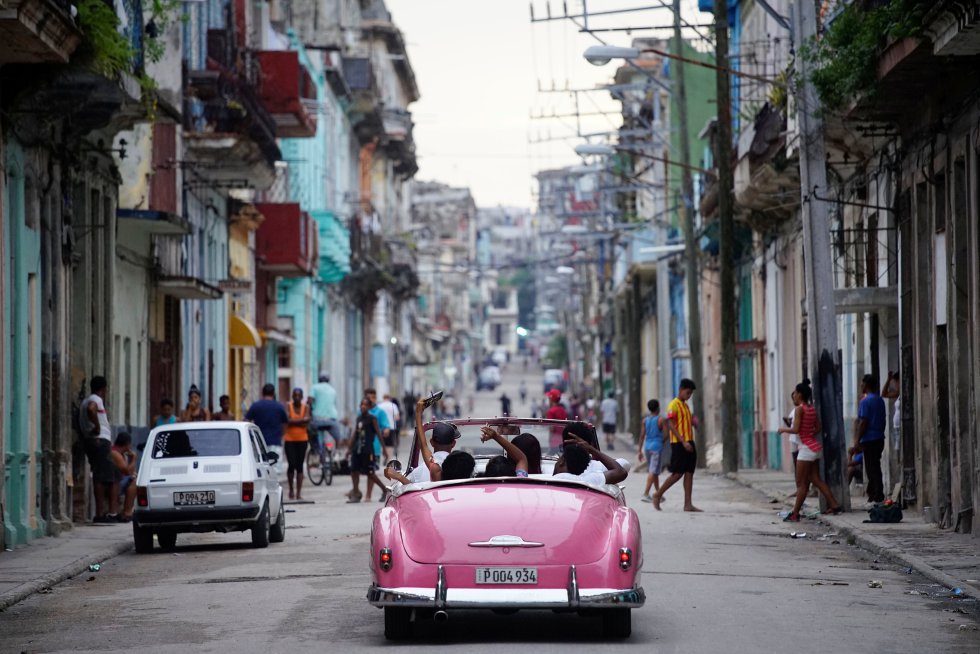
(571, 597)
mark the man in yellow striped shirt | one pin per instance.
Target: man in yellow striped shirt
(683, 456)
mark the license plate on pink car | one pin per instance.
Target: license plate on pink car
(506, 575)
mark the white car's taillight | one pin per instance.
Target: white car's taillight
(248, 491)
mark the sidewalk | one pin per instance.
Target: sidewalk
(940, 555)
(51, 560)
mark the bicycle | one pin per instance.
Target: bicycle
(319, 461)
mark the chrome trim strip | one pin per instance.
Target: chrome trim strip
(506, 541)
(573, 595)
(440, 596)
(489, 598)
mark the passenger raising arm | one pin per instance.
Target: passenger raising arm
(513, 452)
(425, 454)
(614, 474)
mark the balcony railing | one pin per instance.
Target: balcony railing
(864, 257)
(286, 243)
(288, 92)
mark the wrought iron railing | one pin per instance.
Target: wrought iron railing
(864, 257)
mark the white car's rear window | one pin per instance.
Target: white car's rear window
(179, 443)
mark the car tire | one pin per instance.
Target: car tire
(398, 622)
(167, 540)
(260, 532)
(142, 539)
(617, 623)
(277, 533)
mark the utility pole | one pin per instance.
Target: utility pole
(691, 255)
(821, 317)
(726, 223)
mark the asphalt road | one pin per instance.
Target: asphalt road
(729, 580)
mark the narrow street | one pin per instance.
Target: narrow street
(730, 579)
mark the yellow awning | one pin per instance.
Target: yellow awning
(242, 333)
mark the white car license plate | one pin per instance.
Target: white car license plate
(186, 498)
(506, 575)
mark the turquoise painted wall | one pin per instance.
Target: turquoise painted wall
(22, 384)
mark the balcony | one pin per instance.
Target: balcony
(398, 142)
(229, 135)
(865, 269)
(286, 243)
(767, 181)
(37, 31)
(287, 92)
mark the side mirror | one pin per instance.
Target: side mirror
(395, 465)
(271, 457)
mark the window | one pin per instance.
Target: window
(179, 443)
(284, 358)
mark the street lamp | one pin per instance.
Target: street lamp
(600, 55)
(605, 150)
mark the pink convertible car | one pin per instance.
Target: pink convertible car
(505, 543)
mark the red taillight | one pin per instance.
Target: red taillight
(384, 558)
(329, 445)
(625, 558)
(141, 497)
(248, 491)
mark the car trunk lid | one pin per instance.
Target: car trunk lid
(506, 524)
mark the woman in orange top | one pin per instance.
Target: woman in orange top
(295, 441)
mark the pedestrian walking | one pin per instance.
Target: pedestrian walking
(651, 448)
(535, 408)
(609, 409)
(97, 439)
(393, 415)
(555, 412)
(194, 411)
(891, 391)
(869, 437)
(806, 424)
(295, 442)
(224, 402)
(522, 390)
(504, 405)
(683, 455)
(270, 417)
(166, 415)
(363, 461)
(379, 445)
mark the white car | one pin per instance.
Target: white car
(207, 476)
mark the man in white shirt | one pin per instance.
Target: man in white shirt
(97, 438)
(443, 440)
(609, 409)
(394, 416)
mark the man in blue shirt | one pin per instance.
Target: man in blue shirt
(270, 417)
(869, 436)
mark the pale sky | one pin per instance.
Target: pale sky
(478, 64)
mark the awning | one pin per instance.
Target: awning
(275, 336)
(241, 333)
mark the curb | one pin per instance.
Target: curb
(875, 545)
(65, 572)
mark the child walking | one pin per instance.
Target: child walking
(651, 448)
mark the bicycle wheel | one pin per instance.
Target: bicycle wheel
(327, 470)
(314, 467)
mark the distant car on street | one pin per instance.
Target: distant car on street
(499, 356)
(207, 476)
(554, 378)
(488, 379)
